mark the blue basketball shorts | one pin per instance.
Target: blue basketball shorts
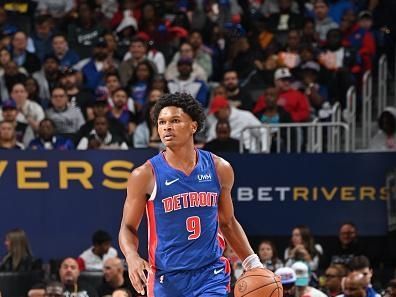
(212, 280)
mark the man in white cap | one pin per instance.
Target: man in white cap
(288, 280)
(302, 280)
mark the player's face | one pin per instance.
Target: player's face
(175, 127)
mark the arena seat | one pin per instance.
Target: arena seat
(17, 284)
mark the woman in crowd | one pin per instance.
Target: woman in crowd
(269, 255)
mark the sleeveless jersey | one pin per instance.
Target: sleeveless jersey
(183, 216)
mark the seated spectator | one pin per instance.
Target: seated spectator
(201, 52)
(269, 255)
(100, 108)
(12, 75)
(9, 112)
(101, 250)
(113, 273)
(223, 142)
(8, 137)
(19, 255)
(237, 97)
(60, 48)
(101, 137)
(67, 119)
(242, 56)
(385, 138)
(42, 35)
(33, 89)
(48, 140)
(293, 101)
(186, 52)
(340, 64)
(140, 83)
(121, 113)
(78, 96)
(323, 23)
(48, 76)
(113, 83)
(220, 109)
(288, 281)
(21, 55)
(290, 56)
(302, 281)
(333, 279)
(29, 112)
(354, 285)
(186, 82)
(146, 133)
(69, 274)
(347, 246)
(361, 264)
(302, 247)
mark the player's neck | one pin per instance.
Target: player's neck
(184, 158)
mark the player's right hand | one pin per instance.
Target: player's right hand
(136, 268)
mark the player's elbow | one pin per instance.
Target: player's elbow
(227, 224)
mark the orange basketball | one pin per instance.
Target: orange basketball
(258, 283)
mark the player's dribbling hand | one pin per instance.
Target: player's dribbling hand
(136, 268)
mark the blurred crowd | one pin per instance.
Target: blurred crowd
(305, 267)
(84, 74)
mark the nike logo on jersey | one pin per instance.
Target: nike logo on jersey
(217, 271)
(168, 183)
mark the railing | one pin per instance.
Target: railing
(313, 137)
(349, 115)
(367, 108)
(382, 84)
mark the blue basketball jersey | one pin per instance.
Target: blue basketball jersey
(182, 215)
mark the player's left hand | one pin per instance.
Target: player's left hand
(136, 269)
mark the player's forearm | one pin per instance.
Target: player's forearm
(237, 238)
(128, 240)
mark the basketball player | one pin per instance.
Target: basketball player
(187, 196)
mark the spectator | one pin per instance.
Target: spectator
(33, 90)
(288, 280)
(160, 83)
(12, 75)
(85, 32)
(101, 250)
(354, 285)
(302, 280)
(5, 58)
(221, 109)
(333, 280)
(67, 57)
(48, 140)
(94, 71)
(361, 264)
(146, 134)
(21, 55)
(347, 246)
(24, 132)
(302, 247)
(293, 101)
(113, 83)
(78, 96)
(223, 142)
(8, 137)
(201, 52)
(186, 82)
(67, 119)
(269, 255)
(138, 51)
(242, 57)
(186, 52)
(290, 56)
(42, 35)
(113, 277)
(29, 112)
(323, 23)
(385, 138)
(141, 82)
(48, 76)
(101, 138)
(19, 255)
(121, 113)
(237, 96)
(391, 289)
(69, 274)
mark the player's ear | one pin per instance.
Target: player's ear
(194, 126)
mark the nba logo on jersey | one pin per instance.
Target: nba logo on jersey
(204, 177)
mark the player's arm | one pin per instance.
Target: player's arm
(140, 183)
(229, 226)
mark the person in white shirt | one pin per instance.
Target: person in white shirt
(94, 257)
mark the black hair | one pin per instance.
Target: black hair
(100, 237)
(139, 39)
(41, 19)
(47, 120)
(183, 100)
(382, 117)
(326, 2)
(221, 122)
(359, 262)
